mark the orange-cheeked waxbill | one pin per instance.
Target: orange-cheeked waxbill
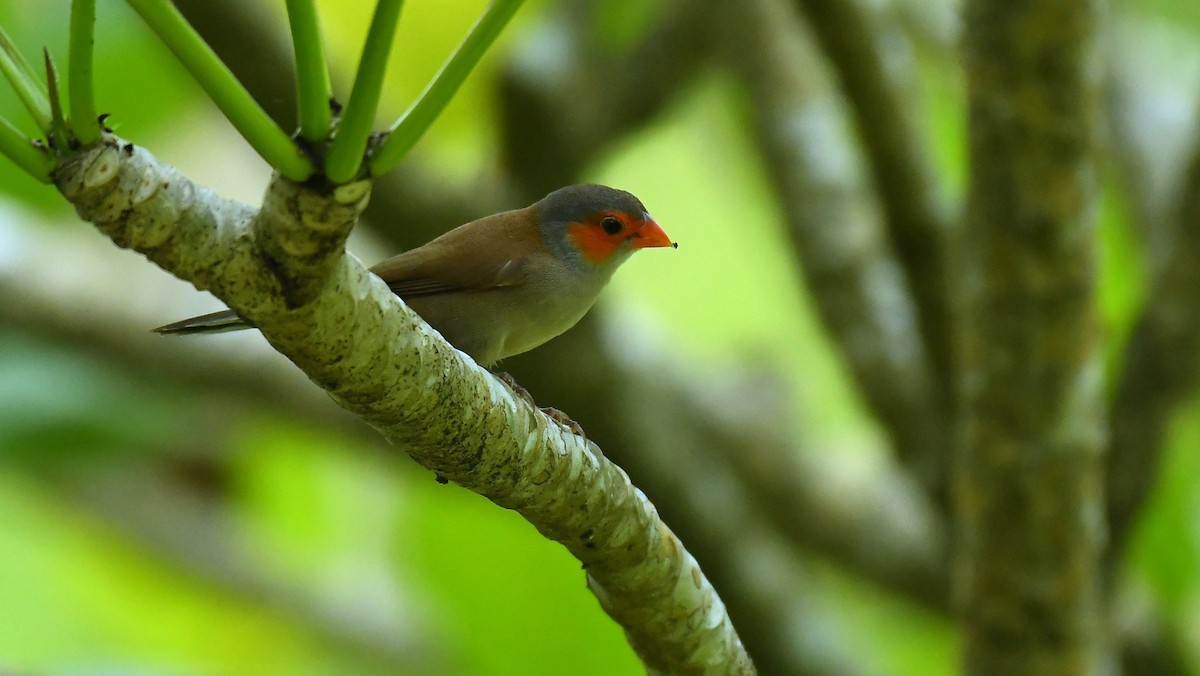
(506, 283)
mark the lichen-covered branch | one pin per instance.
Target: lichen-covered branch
(1029, 483)
(836, 224)
(354, 338)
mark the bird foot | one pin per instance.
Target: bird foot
(564, 420)
(551, 412)
(513, 385)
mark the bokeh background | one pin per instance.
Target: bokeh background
(196, 506)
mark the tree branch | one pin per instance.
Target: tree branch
(872, 61)
(1029, 482)
(836, 226)
(352, 336)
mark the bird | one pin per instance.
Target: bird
(506, 283)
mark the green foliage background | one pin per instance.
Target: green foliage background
(315, 509)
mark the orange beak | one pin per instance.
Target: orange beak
(651, 235)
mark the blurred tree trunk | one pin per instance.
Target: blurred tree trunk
(1029, 483)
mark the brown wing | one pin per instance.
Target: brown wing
(489, 253)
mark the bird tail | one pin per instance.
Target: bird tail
(215, 322)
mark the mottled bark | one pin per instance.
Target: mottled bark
(1029, 480)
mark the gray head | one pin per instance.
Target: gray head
(596, 227)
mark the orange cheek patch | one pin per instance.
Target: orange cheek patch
(596, 245)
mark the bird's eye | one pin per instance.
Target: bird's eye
(611, 225)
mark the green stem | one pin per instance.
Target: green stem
(25, 83)
(413, 124)
(346, 151)
(224, 89)
(79, 70)
(312, 74)
(60, 127)
(17, 147)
